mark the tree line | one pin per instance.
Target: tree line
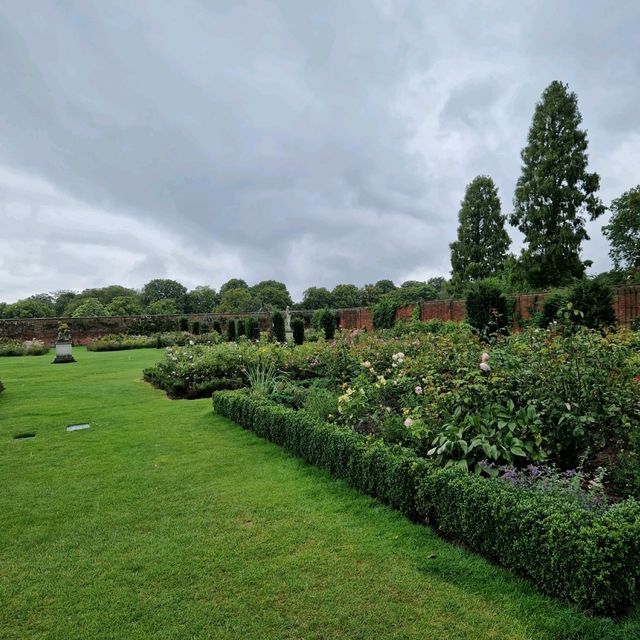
(165, 297)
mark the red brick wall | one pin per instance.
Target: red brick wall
(359, 318)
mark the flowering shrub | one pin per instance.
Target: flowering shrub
(121, 342)
(33, 347)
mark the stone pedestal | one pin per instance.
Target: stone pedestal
(63, 353)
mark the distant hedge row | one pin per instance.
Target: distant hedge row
(590, 560)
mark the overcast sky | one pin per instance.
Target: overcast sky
(310, 142)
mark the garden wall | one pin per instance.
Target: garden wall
(626, 302)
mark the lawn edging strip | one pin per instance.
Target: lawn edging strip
(589, 560)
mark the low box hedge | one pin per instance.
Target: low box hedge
(590, 560)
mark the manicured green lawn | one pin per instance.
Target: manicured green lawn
(165, 521)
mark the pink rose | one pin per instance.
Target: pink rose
(408, 422)
(419, 390)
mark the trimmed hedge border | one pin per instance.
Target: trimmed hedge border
(589, 560)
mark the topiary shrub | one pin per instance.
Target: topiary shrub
(253, 331)
(325, 320)
(297, 326)
(231, 330)
(242, 328)
(384, 314)
(594, 300)
(217, 327)
(184, 324)
(195, 328)
(487, 309)
(278, 327)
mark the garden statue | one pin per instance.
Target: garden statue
(287, 325)
(63, 345)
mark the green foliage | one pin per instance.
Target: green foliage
(124, 342)
(272, 294)
(481, 247)
(217, 327)
(552, 304)
(91, 307)
(125, 306)
(22, 348)
(237, 300)
(278, 327)
(487, 309)
(264, 377)
(555, 192)
(164, 307)
(202, 299)
(384, 314)
(234, 283)
(163, 289)
(623, 230)
(316, 298)
(195, 328)
(297, 327)
(253, 330)
(325, 320)
(594, 302)
(231, 330)
(38, 306)
(183, 324)
(345, 296)
(411, 292)
(241, 328)
(149, 325)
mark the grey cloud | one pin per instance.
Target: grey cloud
(311, 143)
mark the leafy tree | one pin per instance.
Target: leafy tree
(62, 299)
(555, 191)
(297, 327)
(234, 283)
(594, 300)
(411, 292)
(109, 293)
(385, 286)
(237, 301)
(346, 296)
(36, 306)
(89, 308)
(623, 230)
(440, 286)
(3, 309)
(481, 247)
(165, 307)
(487, 309)
(202, 300)
(316, 298)
(162, 289)
(272, 294)
(125, 306)
(370, 294)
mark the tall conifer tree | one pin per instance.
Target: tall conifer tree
(555, 191)
(481, 247)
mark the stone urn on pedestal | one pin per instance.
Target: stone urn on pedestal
(63, 346)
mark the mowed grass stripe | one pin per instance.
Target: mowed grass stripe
(165, 521)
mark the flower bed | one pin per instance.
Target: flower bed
(22, 348)
(123, 341)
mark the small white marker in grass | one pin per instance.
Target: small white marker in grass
(77, 427)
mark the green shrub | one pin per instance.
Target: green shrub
(216, 327)
(231, 331)
(569, 552)
(150, 325)
(384, 314)
(590, 560)
(594, 301)
(553, 302)
(297, 326)
(183, 324)
(242, 328)
(278, 327)
(325, 320)
(253, 331)
(195, 328)
(487, 309)
(22, 348)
